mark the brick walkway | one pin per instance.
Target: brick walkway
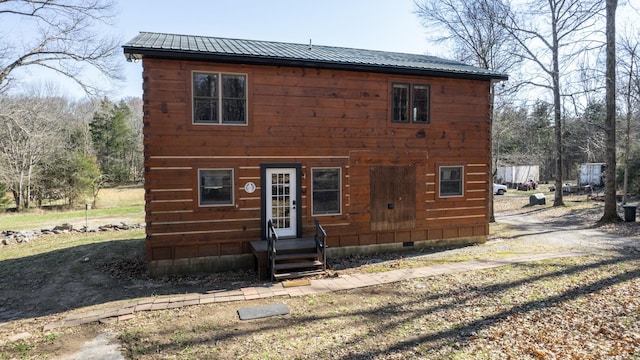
(127, 310)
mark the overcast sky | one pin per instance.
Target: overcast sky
(388, 25)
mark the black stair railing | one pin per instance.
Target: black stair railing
(272, 239)
(321, 244)
(291, 260)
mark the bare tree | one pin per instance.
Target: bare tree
(471, 27)
(610, 206)
(134, 122)
(628, 70)
(66, 39)
(551, 34)
(29, 127)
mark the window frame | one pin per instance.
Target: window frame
(393, 103)
(220, 98)
(440, 180)
(232, 187)
(411, 101)
(339, 190)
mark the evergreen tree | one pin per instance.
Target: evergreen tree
(112, 140)
(73, 176)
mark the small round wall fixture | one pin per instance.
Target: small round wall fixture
(250, 187)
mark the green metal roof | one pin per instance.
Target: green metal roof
(158, 45)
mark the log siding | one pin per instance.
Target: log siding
(318, 118)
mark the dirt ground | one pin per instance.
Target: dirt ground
(518, 311)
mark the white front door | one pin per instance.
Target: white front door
(281, 200)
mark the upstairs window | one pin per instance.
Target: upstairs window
(410, 103)
(400, 96)
(219, 98)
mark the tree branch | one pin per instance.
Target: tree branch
(68, 40)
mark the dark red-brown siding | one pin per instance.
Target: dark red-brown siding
(319, 118)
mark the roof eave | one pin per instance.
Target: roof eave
(275, 61)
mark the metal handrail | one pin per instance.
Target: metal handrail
(320, 237)
(272, 238)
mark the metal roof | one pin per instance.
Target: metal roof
(159, 45)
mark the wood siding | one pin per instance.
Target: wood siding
(316, 118)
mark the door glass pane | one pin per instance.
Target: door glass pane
(280, 200)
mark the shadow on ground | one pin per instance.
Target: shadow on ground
(444, 315)
(94, 274)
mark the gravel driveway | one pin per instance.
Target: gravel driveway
(573, 235)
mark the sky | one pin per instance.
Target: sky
(388, 25)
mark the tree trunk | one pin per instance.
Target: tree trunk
(627, 149)
(557, 116)
(27, 201)
(16, 199)
(20, 193)
(610, 206)
(627, 137)
(492, 216)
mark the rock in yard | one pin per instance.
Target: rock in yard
(64, 227)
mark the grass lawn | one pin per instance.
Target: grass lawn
(68, 243)
(121, 204)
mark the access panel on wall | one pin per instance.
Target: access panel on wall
(393, 197)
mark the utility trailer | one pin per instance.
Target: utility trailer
(517, 177)
(592, 174)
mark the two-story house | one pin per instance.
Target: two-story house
(386, 150)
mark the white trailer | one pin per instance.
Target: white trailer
(592, 174)
(513, 176)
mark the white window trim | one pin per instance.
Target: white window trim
(233, 181)
(220, 123)
(440, 181)
(339, 189)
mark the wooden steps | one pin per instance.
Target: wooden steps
(290, 258)
(298, 274)
(295, 258)
(296, 262)
(297, 265)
